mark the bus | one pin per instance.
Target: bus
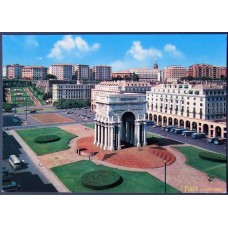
(15, 162)
(187, 133)
(179, 130)
(198, 135)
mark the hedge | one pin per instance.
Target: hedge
(47, 139)
(212, 156)
(101, 179)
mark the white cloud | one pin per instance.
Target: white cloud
(141, 54)
(31, 41)
(71, 45)
(170, 48)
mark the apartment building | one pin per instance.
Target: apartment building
(82, 72)
(187, 105)
(34, 72)
(172, 74)
(61, 71)
(15, 71)
(102, 73)
(206, 70)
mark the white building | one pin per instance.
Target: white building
(82, 72)
(187, 103)
(148, 74)
(120, 118)
(102, 73)
(118, 87)
(71, 91)
(61, 71)
(5, 71)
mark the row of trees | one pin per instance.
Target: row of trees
(71, 103)
(133, 77)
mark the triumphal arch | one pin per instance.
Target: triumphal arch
(120, 119)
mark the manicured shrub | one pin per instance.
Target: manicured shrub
(47, 139)
(101, 179)
(212, 156)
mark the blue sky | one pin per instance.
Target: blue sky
(120, 51)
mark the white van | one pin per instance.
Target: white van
(15, 162)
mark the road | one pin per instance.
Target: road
(195, 142)
(29, 178)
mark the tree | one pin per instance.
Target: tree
(49, 76)
(135, 77)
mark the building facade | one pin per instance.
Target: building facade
(172, 74)
(61, 71)
(121, 74)
(147, 74)
(118, 87)
(34, 72)
(82, 72)
(5, 71)
(71, 91)
(15, 71)
(188, 104)
(120, 118)
(102, 73)
(206, 70)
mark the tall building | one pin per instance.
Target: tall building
(71, 91)
(206, 70)
(188, 105)
(174, 73)
(5, 71)
(61, 71)
(15, 71)
(102, 73)
(34, 72)
(118, 87)
(82, 72)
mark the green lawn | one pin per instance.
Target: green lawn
(133, 182)
(215, 169)
(29, 136)
(90, 125)
(150, 135)
(25, 95)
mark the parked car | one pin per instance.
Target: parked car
(10, 186)
(198, 135)
(211, 140)
(219, 141)
(155, 126)
(33, 111)
(149, 122)
(69, 112)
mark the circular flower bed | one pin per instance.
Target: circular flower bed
(47, 139)
(213, 156)
(101, 179)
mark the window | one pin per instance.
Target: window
(194, 103)
(201, 104)
(187, 103)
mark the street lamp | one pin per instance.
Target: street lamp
(25, 110)
(165, 175)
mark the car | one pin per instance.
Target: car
(211, 140)
(69, 112)
(155, 126)
(33, 111)
(11, 186)
(149, 122)
(219, 141)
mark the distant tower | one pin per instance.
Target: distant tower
(155, 66)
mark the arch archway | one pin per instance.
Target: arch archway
(176, 121)
(160, 119)
(146, 116)
(164, 120)
(170, 121)
(181, 123)
(128, 128)
(218, 131)
(155, 118)
(205, 129)
(194, 126)
(188, 125)
(150, 116)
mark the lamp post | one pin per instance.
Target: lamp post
(165, 175)
(25, 110)
(15, 105)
